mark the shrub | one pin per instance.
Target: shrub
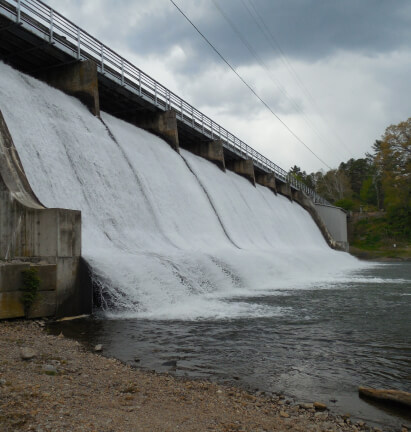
(30, 288)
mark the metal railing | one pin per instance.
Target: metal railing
(54, 28)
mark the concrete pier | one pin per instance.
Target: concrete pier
(242, 167)
(267, 180)
(210, 150)
(78, 79)
(162, 124)
(284, 189)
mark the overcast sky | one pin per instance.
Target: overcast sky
(337, 72)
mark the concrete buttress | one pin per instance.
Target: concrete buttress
(243, 167)
(162, 124)
(210, 150)
(78, 79)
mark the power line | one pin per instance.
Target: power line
(267, 69)
(273, 40)
(249, 86)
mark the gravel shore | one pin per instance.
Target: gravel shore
(50, 383)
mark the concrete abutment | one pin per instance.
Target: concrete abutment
(31, 235)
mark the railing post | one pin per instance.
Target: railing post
(122, 72)
(78, 44)
(155, 94)
(18, 17)
(192, 116)
(181, 109)
(51, 25)
(212, 133)
(202, 122)
(139, 82)
(102, 58)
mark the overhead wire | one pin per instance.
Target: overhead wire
(249, 86)
(273, 41)
(261, 62)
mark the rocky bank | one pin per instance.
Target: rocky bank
(50, 383)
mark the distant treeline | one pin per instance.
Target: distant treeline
(380, 181)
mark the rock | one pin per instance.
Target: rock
(319, 406)
(284, 414)
(2, 382)
(391, 396)
(136, 359)
(172, 363)
(49, 369)
(98, 348)
(306, 406)
(27, 353)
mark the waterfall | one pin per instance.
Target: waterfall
(167, 236)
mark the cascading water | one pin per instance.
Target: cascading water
(167, 236)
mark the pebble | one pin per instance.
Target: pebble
(27, 353)
(284, 414)
(49, 369)
(306, 406)
(320, 406)
(98, 348)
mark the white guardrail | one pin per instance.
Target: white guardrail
(54, 28)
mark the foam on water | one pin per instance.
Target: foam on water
(167, 236)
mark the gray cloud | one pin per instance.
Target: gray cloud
(351, 55)
(305, 29)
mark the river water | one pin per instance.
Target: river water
(324, 342)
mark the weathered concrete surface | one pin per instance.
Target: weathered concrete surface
(308, 205)
(78, 79)
(11, 282)
(162, 124)
(210, 150)
(243, 167)
(391, 396)
(267, 180)
(335, 220)
(285, 189)
(29, 232)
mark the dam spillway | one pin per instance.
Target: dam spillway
(165, 235)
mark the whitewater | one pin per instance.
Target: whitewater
(167, 236)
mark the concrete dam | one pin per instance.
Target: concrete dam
(175, 218)
(165, 235)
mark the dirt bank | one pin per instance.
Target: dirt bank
(64, 388)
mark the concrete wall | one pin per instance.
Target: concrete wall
(336, 221)
(31, 234)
